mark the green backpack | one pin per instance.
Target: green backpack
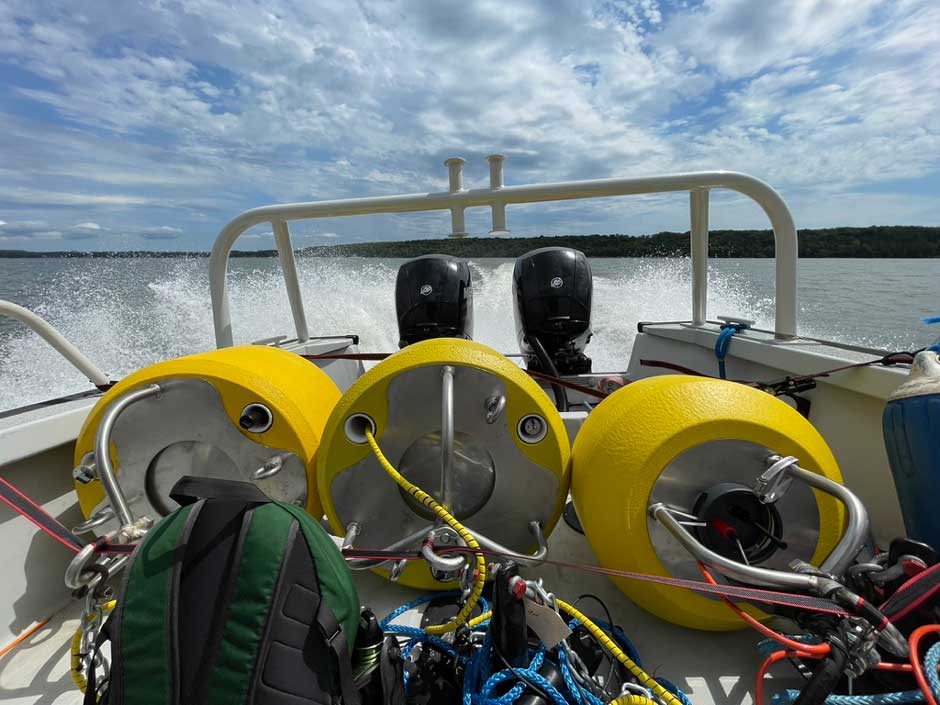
(233, 599)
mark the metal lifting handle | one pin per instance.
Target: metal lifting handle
(732, 569)
(448, 563)
(781, 472)
(535, 528)
(447, 437)
(58, 341)
(533, 559)
(857, 526)
(103, 450)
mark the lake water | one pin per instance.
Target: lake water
(126, 313)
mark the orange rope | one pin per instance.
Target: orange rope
(812, 649)
(765, 667)
(22, 637)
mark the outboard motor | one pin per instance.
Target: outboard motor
(552, 307)
(433, 299)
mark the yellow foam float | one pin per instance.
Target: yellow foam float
(504, 476)
(194, 424)
(667, 438)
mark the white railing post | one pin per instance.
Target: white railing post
(458, 199)
(498, 208)
(458, 226)
(698, 207)
(44, 330)
(285, 253)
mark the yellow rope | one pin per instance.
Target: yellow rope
(477, 621)
(429, 502)
(631, 699)
(75, 670)
(642, 676)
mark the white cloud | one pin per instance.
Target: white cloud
(39, 197)
(186, 116)
(743, 37)
(162, 232)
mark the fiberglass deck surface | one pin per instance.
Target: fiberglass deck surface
(712, 668)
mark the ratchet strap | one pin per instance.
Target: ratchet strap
(49, 525)
(734, 592)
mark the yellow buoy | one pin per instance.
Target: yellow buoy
(676, 439)
(511, 459)
(197, 420)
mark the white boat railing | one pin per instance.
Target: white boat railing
(58, 341)
(457, 199)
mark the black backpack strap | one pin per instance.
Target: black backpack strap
(189, 489)
(336, 639)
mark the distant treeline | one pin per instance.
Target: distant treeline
(877, 241)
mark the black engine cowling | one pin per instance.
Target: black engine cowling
(552, 289)
(433, 299)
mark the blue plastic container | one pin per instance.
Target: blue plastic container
(912, 438)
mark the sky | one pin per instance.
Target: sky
(149, 125)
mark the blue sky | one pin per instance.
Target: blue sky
(148, 125)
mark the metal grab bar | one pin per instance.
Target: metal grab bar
(752, 575)
(781, 472)
(857, 526)
(532, 559)
(103, 450)
(496, 197)
(535, 528)
(58, 341)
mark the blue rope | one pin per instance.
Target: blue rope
(728, 331)
(477, 668)
(619, 636)
(931, 661)
(674, 689)
(766, 647)
(904, 697)
(530, 675)
(417, 602)
(416, 633)
(570, 683)
(405, 653)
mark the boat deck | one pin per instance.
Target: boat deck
(712, 668)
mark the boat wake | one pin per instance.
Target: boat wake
(126, 313)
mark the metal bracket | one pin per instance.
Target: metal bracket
(494, 408)
(443, 568)
(79, 573)
(102, 516)
(775, 480)
(272, 466)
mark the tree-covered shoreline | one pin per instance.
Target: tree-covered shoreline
(896, 241)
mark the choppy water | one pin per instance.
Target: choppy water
(126, 313)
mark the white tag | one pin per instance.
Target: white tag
(546, 623)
